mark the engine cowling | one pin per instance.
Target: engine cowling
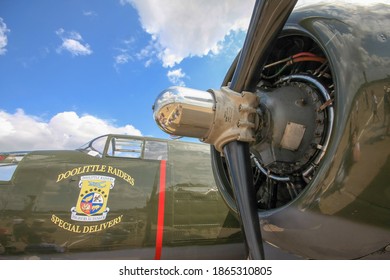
(296, 112)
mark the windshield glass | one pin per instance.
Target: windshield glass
(95, 147)
(8, 164)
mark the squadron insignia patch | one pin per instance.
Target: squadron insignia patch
(92, 201)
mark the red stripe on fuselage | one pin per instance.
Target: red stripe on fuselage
(160, 213)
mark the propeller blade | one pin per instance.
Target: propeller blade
(268, 18)
(237, 158)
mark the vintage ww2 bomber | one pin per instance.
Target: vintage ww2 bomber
(117, 197)
(300, 147)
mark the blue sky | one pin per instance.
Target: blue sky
(73, 70)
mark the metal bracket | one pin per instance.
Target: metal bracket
(235, 118)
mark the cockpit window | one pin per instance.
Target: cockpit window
(124, 147)
(6, 172)
(8, 164)
(95, 147)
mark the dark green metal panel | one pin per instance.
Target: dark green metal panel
(70, 204)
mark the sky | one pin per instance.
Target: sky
(74, 70)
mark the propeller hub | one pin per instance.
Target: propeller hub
(186, 112)
(216, 117)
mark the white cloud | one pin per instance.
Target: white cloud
(176, 77)
(122, 58)
(75, 47)
(73, 43)
(3, 36)
(123, 55)
(66, 130)
(90, 13)
(148, 62)
(181, 29)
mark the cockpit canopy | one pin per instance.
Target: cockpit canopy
(124, 146)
